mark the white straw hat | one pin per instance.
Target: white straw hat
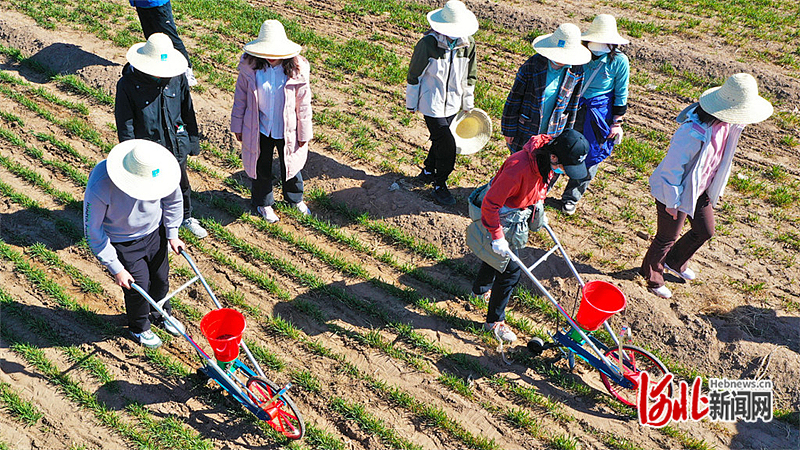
(157, 57)
(471, 131)
(563, 46)
(272, 42)
(454, 20)
(143, 169)
(603, 30)
(736, 101)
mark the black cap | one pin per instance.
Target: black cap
(570, 147)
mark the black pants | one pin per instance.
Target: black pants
(502, 285)
(159, 20)
(146, 260)
(186, 190)
(441, 158)
(262, 185)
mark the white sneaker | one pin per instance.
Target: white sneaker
(268, 214)
(662, 292)
(501, 331)
(687, 274)
(303, 208)
(193, 225)
(147, 338)
(175, 331)
(192, 81)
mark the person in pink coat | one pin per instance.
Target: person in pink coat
(272, 110)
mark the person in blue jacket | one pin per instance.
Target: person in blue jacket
(603, 101)
(156, 17)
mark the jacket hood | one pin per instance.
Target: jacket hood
(441, 40)
(688, 113)
(535, 146)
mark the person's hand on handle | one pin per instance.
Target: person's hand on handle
(124, 279)
(177, 245)
(500, 246)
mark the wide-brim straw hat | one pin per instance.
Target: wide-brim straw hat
(736, 101)
(471, 131)
(272, 42)
(157, 57)
(453, 20)
(143, 169)
(603, 30)
(563, 46)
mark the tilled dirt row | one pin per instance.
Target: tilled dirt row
(238, 233)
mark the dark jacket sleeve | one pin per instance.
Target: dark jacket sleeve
(189, 118)
(123, 113)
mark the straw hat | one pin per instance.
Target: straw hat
(736, 101)
(603, 30)
(454, 20)
(143, 169)
(157, 57)
(471, 130)
(272, 42)
(563, 46)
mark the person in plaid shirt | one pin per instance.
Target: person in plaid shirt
(545, 94)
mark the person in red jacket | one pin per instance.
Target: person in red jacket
(520, 183)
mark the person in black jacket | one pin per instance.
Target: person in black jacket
(153, 102)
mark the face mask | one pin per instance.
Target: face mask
(599, 49)
(559, 171)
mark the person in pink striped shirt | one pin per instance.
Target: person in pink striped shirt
(691, 178)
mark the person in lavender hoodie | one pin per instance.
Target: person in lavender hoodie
(692, 176)
(132, 210)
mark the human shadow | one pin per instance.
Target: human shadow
(27, 226)
(67, 58)
(10, 367)
(36, 324)
(221, 205)
(776, 434)
(751, 323)
(385, 196)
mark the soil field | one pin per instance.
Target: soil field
(364, 306)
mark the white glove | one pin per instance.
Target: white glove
(500, 246)
(616, 133)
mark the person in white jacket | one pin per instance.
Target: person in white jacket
(441, 82)
(692, 176)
